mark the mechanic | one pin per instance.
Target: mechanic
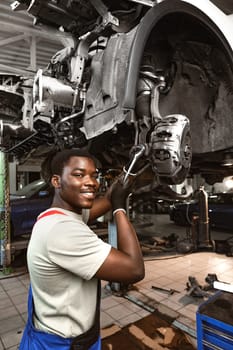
(67, 260)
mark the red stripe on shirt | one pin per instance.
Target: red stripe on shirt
(51, 212)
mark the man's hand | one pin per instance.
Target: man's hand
(119, 193)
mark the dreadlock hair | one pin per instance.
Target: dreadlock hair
(56, 160)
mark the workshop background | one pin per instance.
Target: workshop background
(184, 227)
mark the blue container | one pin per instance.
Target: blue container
(215, 323)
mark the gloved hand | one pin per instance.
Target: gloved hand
(119, 194)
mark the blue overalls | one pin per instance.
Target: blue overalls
(34, 339)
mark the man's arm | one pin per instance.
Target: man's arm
(124, 263)
(100, 207)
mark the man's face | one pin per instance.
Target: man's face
(78, 184)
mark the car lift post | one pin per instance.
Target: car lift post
(112, 239)
(204, 240)
(11, 105)
(112, 231)
(5, 254)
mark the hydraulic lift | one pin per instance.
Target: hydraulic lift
(11, 104)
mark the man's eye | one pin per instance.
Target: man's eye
(78, 175)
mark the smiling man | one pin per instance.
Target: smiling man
(76, 188)
(66, 259)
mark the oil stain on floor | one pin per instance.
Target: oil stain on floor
(150, 333)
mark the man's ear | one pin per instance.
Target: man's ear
(55, 181)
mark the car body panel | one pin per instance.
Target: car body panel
(220, 211)
(24, 213)
(24, 209)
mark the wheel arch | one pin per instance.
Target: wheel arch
(219, 27)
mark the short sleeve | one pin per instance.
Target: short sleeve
(75, 247)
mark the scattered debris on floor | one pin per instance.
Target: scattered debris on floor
(158, 244)
(169, 291)
(150, 333)
(195, 289)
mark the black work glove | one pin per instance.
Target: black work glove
(119, 194)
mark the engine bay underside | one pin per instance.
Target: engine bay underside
(182, 105)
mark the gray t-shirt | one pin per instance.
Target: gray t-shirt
(63, 256)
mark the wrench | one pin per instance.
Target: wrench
(139, 150)
(169, 291)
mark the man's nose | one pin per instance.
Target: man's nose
(91, 180)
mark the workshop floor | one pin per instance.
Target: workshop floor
(169, 271)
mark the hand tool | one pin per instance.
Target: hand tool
(169, 291)
(138, 152)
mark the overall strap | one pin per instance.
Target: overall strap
(86, 340)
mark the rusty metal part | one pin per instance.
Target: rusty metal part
(169, 291)
(195, 289)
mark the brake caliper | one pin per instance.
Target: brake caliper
(171, 149)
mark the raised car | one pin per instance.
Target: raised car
(155, 76)
(220, 211)
(26, 204)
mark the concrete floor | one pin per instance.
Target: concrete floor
(163, 269)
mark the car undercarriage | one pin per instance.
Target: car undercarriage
(148, 76)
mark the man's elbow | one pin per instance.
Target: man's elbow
(138, 275)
